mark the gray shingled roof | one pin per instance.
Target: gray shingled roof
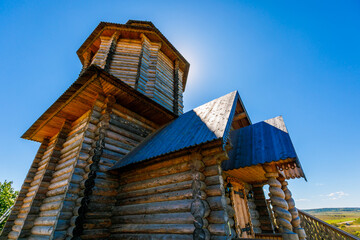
(203, 124)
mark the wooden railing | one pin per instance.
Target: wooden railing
(319, 230)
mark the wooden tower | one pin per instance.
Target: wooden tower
(131, 84)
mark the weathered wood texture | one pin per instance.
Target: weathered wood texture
(38, 186)
(177, 198)
(142, 65)
(14, 215)
(111, 133)
(56, 208)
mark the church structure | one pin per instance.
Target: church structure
(120, 160)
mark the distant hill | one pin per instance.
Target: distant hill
(330, 210)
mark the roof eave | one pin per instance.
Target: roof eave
(90, 74)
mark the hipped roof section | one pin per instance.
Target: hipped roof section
(209, 122)
(80, 96)
(133, 30)
(261, 143)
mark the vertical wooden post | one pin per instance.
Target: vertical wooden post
(199, 207)
(279, 204)
(292, 209)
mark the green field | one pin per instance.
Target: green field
(347, 219)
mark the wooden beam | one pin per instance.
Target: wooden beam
(240, 116)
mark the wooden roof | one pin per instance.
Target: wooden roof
(133, 30)
(80, 96)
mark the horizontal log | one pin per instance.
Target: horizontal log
(211, 170)
(61, 177)
(153, 228)
(49, 213)
(54, 199)
(216, 217)
(57, 191)
(51, 206)
(158, 165)
(123, 146)
(154, 190)
(213, 190)
(218, 229)
(102, 199)
(45, 221)
(215, 202)
(121, 138)
(102, 183)
(181, 167)
(96, 234)
(127, 131)
(167, 196)
(63, 171)
(58, 184)
(159, 181)
(158, 207)
(69, 162)
(133, 236)
(98, 215)
(97, 223)
(162, 218)
(42, 230)
(213, 180)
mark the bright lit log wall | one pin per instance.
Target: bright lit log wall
(142, 65)
(177, 198)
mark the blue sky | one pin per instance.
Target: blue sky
(295, 59)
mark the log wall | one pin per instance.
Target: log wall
(178, 198)
(113, 131)
(15, 213)
(142, 65)
(56, 209)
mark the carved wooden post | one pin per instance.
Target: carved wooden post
(279, 204)
(292, 209)
(199, 207)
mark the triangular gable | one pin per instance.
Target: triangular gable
(209, 122)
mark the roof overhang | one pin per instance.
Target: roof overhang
(80, 97)
(133, 30)
(266, 142)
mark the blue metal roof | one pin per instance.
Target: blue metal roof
(206, 123)
(261, 143)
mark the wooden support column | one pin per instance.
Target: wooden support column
(292, 209)
(199, 207)
(279, 204)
